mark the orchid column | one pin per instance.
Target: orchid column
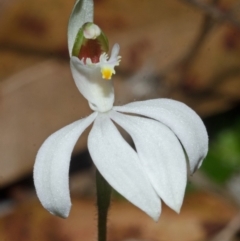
(166, 133)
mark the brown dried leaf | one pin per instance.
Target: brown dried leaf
(202, 216)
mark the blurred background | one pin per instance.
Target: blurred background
(188, 50)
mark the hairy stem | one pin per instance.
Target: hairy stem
(103, 203)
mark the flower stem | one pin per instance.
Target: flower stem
(103, 202)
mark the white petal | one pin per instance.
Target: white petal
(82, 12)
(114, 54)
(161, 155)
(98, 92)
(184, 122)
(52, 166)
(121, 167)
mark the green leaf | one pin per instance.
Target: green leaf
(223, 159)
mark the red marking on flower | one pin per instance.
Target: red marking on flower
(92, 50)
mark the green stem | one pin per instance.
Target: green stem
(103, 202)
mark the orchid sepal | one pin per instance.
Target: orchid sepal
(135, 174)
(181, 119)
(82, 12)
(51, 168)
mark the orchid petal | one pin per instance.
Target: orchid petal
(98, 92)
(114, 54)
(183, 121)
(161, 155)
(120, 166)
(52, 166)
(82, 12)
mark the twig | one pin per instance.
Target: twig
(207, 26)
(215, 81)
(187, 60)
(229, 231)
(215, 12)
(201, 181)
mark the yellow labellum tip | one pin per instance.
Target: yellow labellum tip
(107, 73)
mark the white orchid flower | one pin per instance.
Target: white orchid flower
(165, 133)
